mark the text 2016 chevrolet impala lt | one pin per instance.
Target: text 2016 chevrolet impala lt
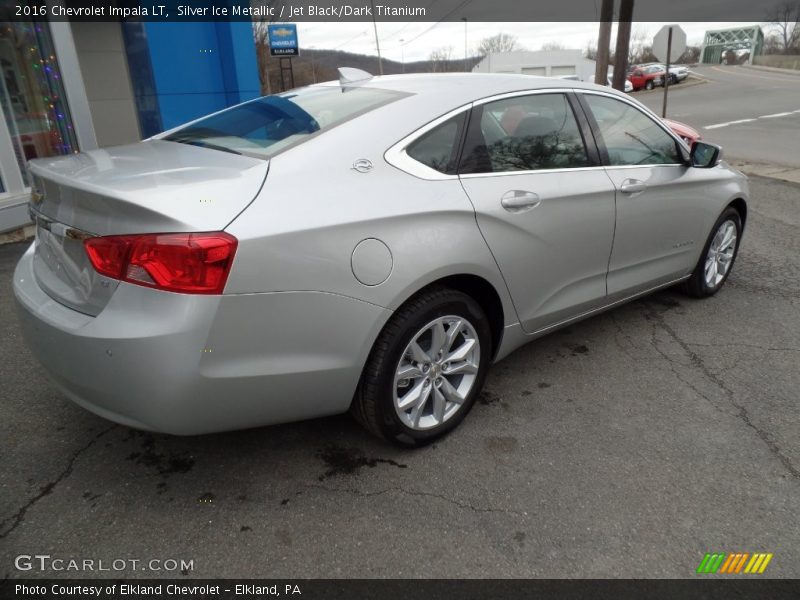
(372, 244)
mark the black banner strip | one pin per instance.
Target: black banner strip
(732, 588)
(673, 11)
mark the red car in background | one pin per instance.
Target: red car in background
(686, 133)
(646, 77)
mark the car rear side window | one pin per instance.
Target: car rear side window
(268, 125)
(630, 136)
(438, 148)
(524, 133)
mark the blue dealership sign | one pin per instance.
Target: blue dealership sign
(283, 40)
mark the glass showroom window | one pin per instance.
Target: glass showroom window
(32, 98)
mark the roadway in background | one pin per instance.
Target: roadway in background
(753, 114)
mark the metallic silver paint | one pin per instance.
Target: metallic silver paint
(152, 186)
(554, 258)
(289, 337)
(63, 270)
(185, 364)
(371, 262)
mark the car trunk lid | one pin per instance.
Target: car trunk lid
(149, 187)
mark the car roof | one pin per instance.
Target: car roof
(461, 88)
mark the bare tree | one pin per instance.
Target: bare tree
(502, 42)
(784, 18)
(590, 51)
(772, 44)
(440, 59)
(553, 46)
(262, 55)
(637, 47)
(262, 48)
(690, 56)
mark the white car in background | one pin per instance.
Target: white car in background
(677, 73)
(610, 83)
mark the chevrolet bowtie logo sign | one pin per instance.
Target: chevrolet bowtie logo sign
(735, 562)
(282, 32)
(283, 40)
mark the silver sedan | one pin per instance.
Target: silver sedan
(371, 244)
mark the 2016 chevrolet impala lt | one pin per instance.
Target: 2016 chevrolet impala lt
(371, 244)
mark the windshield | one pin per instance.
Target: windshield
(268, 125)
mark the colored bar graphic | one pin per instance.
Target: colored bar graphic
(741, 562)
(711, 562)
(766, 562)
(731, 560)
(755, 563)
(732, 563)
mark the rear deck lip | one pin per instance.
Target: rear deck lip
(147, 187)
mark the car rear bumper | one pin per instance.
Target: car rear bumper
(191, 364)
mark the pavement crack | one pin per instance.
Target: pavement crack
(463, 505)
(11, 523)
(742, 345)
(741, 412)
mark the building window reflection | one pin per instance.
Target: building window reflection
(32, 94)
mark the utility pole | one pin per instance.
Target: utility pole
(603, 42)
(465, 44)
(313, 67)
(377, 43)
(623, 44)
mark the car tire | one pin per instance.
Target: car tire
(706, 280)
(649, 85)
(379, 400)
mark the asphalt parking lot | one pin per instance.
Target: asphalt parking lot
(753, 114)
(627, 445)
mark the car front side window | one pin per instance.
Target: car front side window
(630, 136)
(524, 133)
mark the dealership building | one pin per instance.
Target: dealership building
(74, 86)
(544, 63)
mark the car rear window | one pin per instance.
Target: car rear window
(266, 126)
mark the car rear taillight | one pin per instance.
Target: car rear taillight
(188, 263)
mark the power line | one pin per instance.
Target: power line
(411, 22)
(358, 35)
(464, 3)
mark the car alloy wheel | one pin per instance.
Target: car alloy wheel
(718, 256)
(426, 368)
(720, 253)
(436, 372)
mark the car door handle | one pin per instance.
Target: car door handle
(632, 186)
(519, 200)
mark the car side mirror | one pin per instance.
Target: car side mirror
(705, 155)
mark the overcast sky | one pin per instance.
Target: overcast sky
(415, 40)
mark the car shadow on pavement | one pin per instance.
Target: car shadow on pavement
(205, 468)
(94, 462)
